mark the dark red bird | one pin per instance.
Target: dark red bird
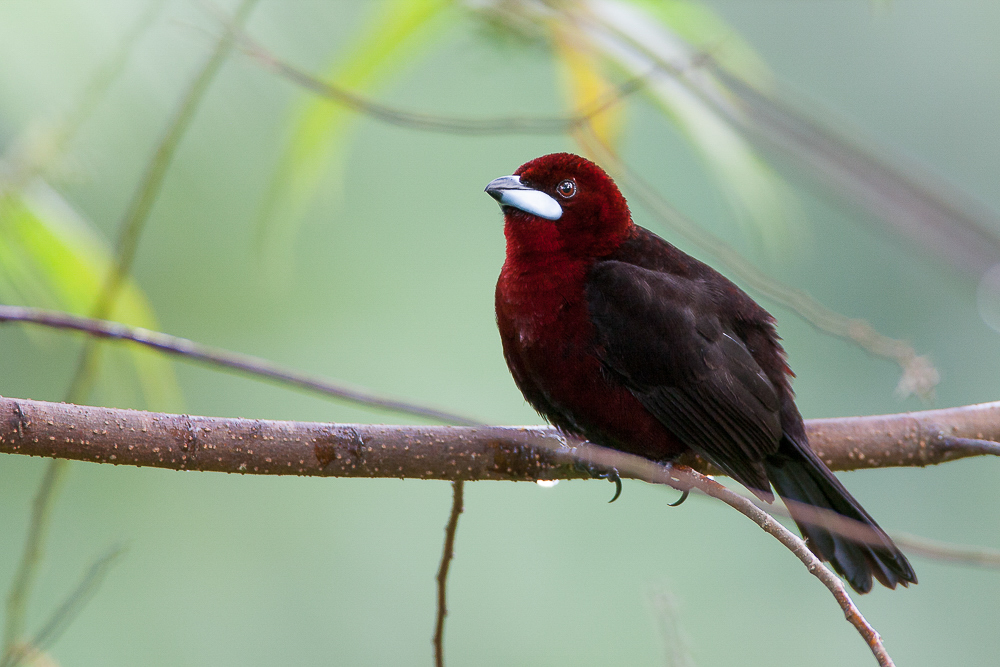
(615, 335)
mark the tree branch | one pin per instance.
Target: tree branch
(525, 453)
(107, 435)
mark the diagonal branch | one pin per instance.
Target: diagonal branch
(802, 552)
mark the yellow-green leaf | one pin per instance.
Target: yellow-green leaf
(51, 257)
(586, 84)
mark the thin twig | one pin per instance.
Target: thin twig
(684, 478)
(241, 363)
(67, 611)
(946, 551)
(676, 652)
(802, 552)
(26, 164)
(447, 553)
(431, 122)
(860, 532)
(27, 569)
(147, 193)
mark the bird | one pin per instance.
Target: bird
(616, 336)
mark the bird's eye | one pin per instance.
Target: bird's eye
(566, 189)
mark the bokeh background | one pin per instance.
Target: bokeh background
(380, 272)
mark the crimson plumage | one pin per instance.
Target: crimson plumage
(615, 335)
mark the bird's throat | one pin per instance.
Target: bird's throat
(537, 294)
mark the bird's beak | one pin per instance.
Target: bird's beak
(509, 191)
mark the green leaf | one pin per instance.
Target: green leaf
(586, 83)
(51, 257)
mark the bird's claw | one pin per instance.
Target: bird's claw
(684, 496)
(613, 476)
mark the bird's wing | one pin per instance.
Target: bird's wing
(662, 336)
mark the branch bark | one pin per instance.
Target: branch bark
(525, 453)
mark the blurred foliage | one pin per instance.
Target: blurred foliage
(51, 258)
(397, 34)
(290, 228)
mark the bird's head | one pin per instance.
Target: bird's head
(561, 203)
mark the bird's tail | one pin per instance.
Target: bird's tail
(800, 476)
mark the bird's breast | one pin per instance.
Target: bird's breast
(549, 345)
(542, 297)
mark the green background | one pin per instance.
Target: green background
(390, 286)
